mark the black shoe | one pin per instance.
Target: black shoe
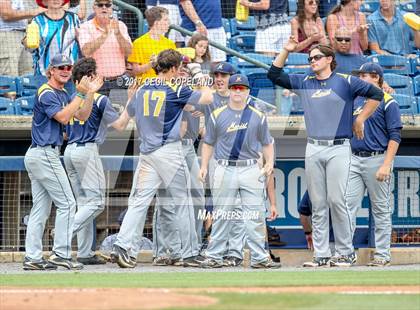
(121, 257)
(211, 263)
(30, 264)
(94, 260)
(267, 264)
(318, 262)
(64, 262)
(231, 261)
(193, 261)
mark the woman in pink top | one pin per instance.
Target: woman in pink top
(307, 26)
(347, 14)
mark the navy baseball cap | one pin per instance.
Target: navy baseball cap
(370, 67)
(223, 67)
(60, 60)
(238, 79)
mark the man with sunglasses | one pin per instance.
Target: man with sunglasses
(327, 99)
(233, 132)
(107, 41)
(372, 161)
(83, 164)
(53, 109)
(346, 62)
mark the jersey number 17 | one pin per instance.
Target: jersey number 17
(158, 97)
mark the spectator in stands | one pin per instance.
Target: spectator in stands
(174, 17)
(54, 37)
(346, 62)
(14, 59)
(307, 26)
(205, 17)
(107, 41)
(202, 52)
(273, 28)
(148, 46)
(388, 33)
(325, 6)
(78, 7)
(347, 14)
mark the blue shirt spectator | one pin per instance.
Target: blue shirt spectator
(388, 33)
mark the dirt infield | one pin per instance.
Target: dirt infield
(143, 298)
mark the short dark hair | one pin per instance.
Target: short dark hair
(327, 51)
(155, 14)
(166, 60)
(84, 66)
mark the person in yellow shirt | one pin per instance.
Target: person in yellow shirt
(149, 45)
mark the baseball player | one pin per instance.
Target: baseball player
(327, 99)
(84, 166)
(234, 132)
(372, 161)
(158, 108)
(53, 108)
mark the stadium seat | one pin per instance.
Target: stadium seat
(417, 85)
(408, 7)
(392, 63)
(243, 43)
(28, 85)
(292, 7)
(400, 83)
(25, 105)
(369, 6)
(408, 104)
(7, 84)
(297, 63)
(227, 27)
(246, 67)
(415, 64)
(238, 27)
(261, 86)
(418, 104)
(6, 106)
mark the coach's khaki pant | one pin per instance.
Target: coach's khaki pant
(14, 59)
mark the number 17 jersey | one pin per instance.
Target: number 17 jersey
(157, 108)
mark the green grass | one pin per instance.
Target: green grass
(213, 279)
(235, 301)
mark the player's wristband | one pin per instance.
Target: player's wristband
(308, 232)
(81, 96)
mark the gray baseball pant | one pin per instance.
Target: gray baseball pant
(327, 174)
(49, 184)
(363, 176)
(86, 175)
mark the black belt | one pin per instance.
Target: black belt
(237, 163)
(368, 154)
(327, 142)
(187, 142)
(82, 144)
(53, 146)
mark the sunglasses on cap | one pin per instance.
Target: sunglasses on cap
(103, 5)
(316, 57)
(65, 68)
(238, 87)
(343, 39)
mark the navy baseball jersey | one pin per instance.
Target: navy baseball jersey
(383, 125)
(48, 102)
(236, 134)
(158, 110)
(95, 128)
(328, 104)
(193, 126)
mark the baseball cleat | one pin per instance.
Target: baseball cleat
(94, 260)
(211, 263)
(121, 257)
(344, 260)
(231, 261)
(318, 262)
(161, 261)
(379, 262)
(30, 264)
(193, 261)
(64, 262)
(267, 264)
